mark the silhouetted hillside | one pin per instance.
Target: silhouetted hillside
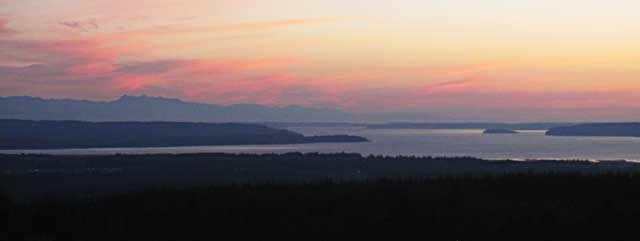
(21, 134)
(598, 129)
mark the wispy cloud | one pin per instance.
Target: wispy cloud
(275, 24)
(256, 26)
(472, 69)
(447, 87)
(85, 25)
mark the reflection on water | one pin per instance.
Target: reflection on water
(527, 145)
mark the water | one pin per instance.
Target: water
(418, 142)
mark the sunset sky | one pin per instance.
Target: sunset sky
(519, 60)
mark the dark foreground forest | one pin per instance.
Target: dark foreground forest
(26, 176)
(503, 207)
(314, 197)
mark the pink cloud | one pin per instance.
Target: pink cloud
(127, 83)
(94, 59)
(523, 104)
(473, 68)
(86, 25)
(137, 76)
(149, 33)
(66, 59)
(447, 87)
(242, 26)
(4, 28)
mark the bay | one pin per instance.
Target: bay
(419, 142)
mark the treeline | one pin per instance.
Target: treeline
(37, 175)
(492, 207)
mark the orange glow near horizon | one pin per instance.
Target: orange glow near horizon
(503, 60)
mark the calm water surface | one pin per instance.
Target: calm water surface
(527, 145)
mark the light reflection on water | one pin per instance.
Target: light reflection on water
(421, 142)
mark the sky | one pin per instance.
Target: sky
(518, 60)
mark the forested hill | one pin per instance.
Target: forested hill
(598, 129)
(23, 134)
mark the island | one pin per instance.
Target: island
(500, 131)
(27, 134)
(598, 129)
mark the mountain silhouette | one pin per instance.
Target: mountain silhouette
(148, 108)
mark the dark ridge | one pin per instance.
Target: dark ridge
(598, 129)
(22, 134)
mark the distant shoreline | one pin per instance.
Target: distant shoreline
(43, 152)
(472, 125)
(598, 130)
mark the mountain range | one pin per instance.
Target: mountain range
(148, 108)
